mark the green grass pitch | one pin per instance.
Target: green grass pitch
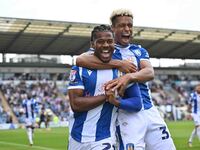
(56, 138)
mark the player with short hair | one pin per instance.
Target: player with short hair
(194, 108)
(145, 129)
(30, 108)
(92, 126)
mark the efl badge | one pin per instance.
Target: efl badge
(72, 75)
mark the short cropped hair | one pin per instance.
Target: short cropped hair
(100, 28)
(120, 12)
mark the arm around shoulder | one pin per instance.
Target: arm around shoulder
(90, 61)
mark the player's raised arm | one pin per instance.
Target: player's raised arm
(92, 62)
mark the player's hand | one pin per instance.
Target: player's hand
(119, 84)
(111, 97)
(127, 66)
(109, 94)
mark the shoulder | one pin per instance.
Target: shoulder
(34, 100)
(138, 50)
(75, 67)
(193, 95)
(137, 47)
(75, 70)
(89, 52)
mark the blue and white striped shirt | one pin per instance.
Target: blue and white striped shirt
(195, 102)
(98, 123)
(135, 54)
(30, 107)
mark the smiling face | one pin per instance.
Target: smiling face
(123, 29)
(103, 45)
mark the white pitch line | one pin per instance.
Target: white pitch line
(22, 145)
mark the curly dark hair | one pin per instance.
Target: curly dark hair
(100, 28)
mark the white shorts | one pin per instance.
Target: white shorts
(196, 119)
(144, 129)
(30, 122)
(107, 144)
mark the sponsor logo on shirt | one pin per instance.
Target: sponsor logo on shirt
(100, 89)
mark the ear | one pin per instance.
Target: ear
(92, 45)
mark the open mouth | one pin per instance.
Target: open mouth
(126, 36)
(105, 53)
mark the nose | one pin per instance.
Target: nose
(105, 44)
(126, 27)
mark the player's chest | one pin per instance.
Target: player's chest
(95, 80)
(128, 55)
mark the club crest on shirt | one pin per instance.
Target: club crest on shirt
(132, 60)
(72, 75)
(130, 146)
(137, 52)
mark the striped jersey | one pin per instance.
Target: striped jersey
(30, 107)
(98, 123)
(135, 54)
(195, 102)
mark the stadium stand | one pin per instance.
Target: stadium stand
(47, 78)
(45, 92)
(10, 117)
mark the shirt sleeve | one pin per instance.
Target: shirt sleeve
(144, 54)
(140, 54)
(75, 79)
(132, 101)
